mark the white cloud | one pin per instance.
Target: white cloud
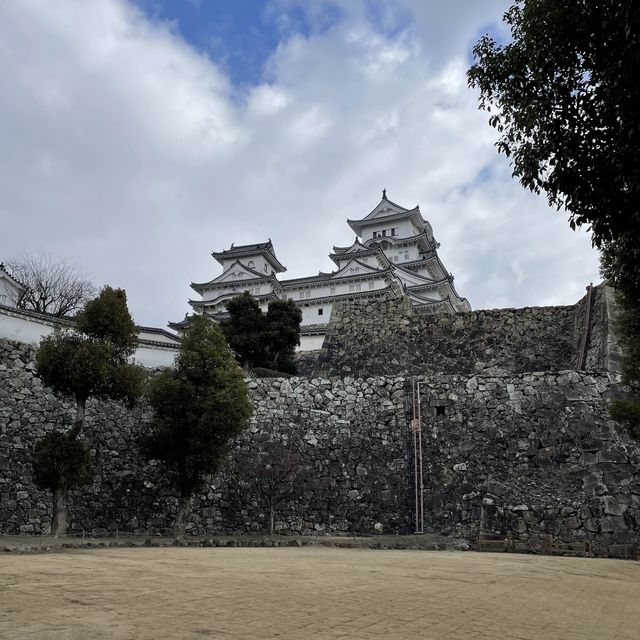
(130, 153)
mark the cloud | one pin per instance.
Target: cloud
(133, 155)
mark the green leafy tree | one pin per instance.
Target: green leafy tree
(198, 408)
(60, 464)
(244, 330)
(91, 361)
(563, 96)
(282, 334)
(263, 340)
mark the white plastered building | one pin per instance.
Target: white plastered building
(393, 246)
(10, 289)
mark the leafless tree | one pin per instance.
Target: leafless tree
(54, 286)
(274, 471)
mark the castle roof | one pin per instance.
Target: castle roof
(264, 249)
(356, 250)
(388, 211)
(15, 282)
(225, 278)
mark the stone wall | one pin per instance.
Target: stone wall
(391, 337)
(375, 338)
(519, 454)
(352, 438)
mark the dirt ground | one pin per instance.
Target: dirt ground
(310, 592)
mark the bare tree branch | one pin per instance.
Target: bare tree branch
(54, 285)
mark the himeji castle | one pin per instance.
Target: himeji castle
(394, 247)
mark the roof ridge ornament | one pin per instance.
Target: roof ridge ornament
(384, 194)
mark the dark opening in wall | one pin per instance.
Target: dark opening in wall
(440, 410)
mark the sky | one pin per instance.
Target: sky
(139, 136)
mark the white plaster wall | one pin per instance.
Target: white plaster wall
(153, 357)
(8, 292)
(310, 343)
(403, 228)
(31, 331)
(159, 337)
(23, 329)
(340, 287)
(310, 313)
(259, 264)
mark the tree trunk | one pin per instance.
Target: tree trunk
(184, 508)
(81, 404)
(59, 518)
(272, 518)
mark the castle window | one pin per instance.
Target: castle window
(395, 258)
(251, 264)
(358, 287)
(394, 231)
(265, 268)
(332, 289)
(384, 232)
(351, 287)
(372, 285)
(320, 311)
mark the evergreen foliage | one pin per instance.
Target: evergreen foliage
(263, 340)
(198, 408)
(89, 362)
(564, 96)
(244, 330)
(61, 463)
(107, 318)
(282, 334)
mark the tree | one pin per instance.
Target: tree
(260, 340)
(61, 463)
(91, 361)
(282, 334)
(53, 285)
(273, 470)
(565, 92)
(198, 407)
(244, 330)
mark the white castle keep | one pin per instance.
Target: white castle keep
(394, 249)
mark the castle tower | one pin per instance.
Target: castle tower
(394, 247)
(407, 241)
(249, 267)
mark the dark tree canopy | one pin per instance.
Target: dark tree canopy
(61, 463)
(565, 94)
(198, 408)
(626, 411)
(282, 334)
(263, 340)
(93, 360)
(244, 330)
(89, 362)
(54, 286)
(107, 318)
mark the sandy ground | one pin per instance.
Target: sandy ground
(315, 593)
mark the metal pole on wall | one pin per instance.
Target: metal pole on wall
(419, 430)
(414, 422)
(418, 478)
